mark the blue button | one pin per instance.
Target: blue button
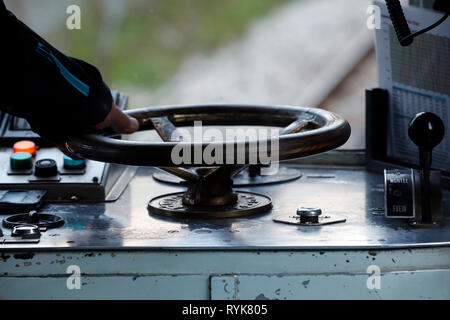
(21, 161)
(71, 164)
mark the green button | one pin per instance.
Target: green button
(21, 161)
(71, 164)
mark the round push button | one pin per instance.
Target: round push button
(72, 164)
(21, 161)
(25, 146)
(45, 168)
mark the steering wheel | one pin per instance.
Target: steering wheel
(307, 131)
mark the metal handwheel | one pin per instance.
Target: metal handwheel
(307, 131)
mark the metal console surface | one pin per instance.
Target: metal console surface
(350, 192)
(123, 253)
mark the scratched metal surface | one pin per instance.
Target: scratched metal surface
(353, 193)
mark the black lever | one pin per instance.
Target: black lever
(426, 130)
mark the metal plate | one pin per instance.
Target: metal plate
(171, 205)
(15, 240)
(284, 174)
(323, 220)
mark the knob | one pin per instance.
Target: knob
(309, 214)
(426, 130)
(45, 168)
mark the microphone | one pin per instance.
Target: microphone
(399, 21)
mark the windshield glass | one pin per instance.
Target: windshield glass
(315, 53)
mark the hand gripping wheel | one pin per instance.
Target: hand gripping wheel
(307, 131)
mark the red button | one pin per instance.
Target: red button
(25, 146)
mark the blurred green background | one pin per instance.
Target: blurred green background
(165, 52)
(142, 43)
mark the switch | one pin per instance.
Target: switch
(21, 161)
(45, 168)
(25, 146)
(309, 214)
(72, 164)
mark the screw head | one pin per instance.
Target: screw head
(26, 231)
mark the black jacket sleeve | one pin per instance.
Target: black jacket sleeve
(58, 95)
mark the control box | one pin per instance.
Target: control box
(27, 162)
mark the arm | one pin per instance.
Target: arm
(58, 95)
